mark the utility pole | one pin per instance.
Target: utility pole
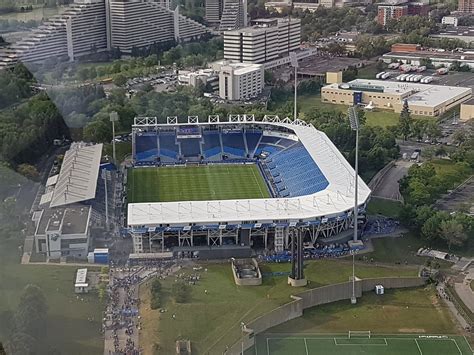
(294, 64)
(113, 118)
(242, 327)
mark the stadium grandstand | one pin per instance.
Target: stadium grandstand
(220, 187)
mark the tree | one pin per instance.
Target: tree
(155, 290)
(28, 171)
(431, 229)
(180, 291)
(99, 130)
(405, 122)
(459, 136)
(336, 49)
(83, 74)
(432, 130)
(453, 233)
(120, 80)
(418, 129)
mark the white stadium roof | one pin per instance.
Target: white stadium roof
(337, 198)
(77, 179)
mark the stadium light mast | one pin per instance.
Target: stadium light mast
(294, 64)
(113, 118)
(354, 122)
(106, 199)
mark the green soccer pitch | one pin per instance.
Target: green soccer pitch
(341, 344)
(196, 183)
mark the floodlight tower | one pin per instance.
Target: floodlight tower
(113, 118)
(354, 122)
(294, 64)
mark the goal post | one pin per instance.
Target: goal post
(359, 334)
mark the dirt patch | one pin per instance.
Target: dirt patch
(411, 330)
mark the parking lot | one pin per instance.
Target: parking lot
(160, 82)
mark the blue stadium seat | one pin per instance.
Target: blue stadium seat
(168, 146)
(252, 137)
(233, 143)
(297, 172)
(190, 147)
(212, 144)
(146, 146)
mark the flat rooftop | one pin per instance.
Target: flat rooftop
(73, 219)
(420, 94)
(316, 65)
(243, 68)
(433, 54)
(265, 25)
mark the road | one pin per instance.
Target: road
(388, 187)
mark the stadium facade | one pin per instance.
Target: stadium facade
(311, 184)
(90, 26)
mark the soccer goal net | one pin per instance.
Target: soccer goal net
(359, 334)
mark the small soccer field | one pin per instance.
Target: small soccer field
(342, 344)
(195, 183)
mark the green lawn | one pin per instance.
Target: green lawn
(451, 168)
(68, 327)
(341, 344)
(225, 305)
(415, 310)
(384, 207)
(397, 250)
(196, 183)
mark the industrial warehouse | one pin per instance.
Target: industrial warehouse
(423, 99)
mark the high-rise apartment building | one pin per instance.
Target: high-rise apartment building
(89, 26)
(265, 41)
(396, 10)
(389, 12)
(227, 14)
(466, 6)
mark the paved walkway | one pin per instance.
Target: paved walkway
(464, 291)
(461, 321)
(122, 324)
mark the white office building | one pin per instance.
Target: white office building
(240, 81)
(267, 40)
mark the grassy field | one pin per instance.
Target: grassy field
(397, 250)
(68, 327)
(225, 305)
(196, 183)
(415, 310)
(384, 207)
(306, 344)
